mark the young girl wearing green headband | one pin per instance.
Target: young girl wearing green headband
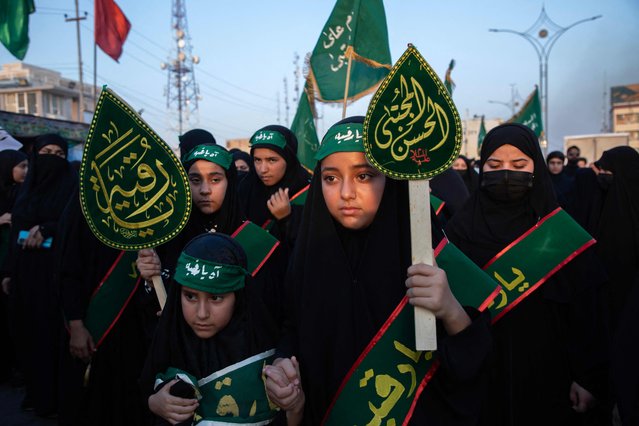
(349, 272)
(213, 340)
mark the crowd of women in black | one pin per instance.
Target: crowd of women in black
(565, 355)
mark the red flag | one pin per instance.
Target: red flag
(111, 27)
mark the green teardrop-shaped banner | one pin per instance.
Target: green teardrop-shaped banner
(412, 129)
(134, 191)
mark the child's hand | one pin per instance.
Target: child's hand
(148, 263)
(428, 288)
(284, 387)
(171, 408)
(279, 205)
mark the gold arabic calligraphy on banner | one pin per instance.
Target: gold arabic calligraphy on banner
(412, 129)
(412, 117)
(134, 191)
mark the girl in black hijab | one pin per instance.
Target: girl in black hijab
(349, 272)
(210, 322)
(618, 247)
(277, 177)
(562, 183)
(243, 163)
(216, 208)
(543, 360)
(465, 168)
(49, 184)
(13, 170)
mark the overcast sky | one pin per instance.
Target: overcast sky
(248, 47)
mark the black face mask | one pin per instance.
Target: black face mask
(507, 185)
(572, 161)
(462, 173)
(605, 180)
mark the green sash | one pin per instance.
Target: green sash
(438, 205)
(257, 243)
(535, 256)
(235, 395)
(299, 199)
(111, 296)
(387, 379)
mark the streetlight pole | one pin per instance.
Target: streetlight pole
(513, 104)
(543, 35)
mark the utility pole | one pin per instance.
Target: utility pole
(182, 91)
(286, 107)
(277, 97)
(77, 18)
(297, 73)
(604, 108)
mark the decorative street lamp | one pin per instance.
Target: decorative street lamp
(542, 35)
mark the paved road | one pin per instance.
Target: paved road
(12, 415)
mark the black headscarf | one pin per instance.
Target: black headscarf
(226, 220)
(562, 183)
(238, 154)
(449, 187)
(8, 187)
(254, 194)
(46, 190)
(249, 331)
(618, 230)
(484, 226)
(470, 176)
(193, 138)
(555, 154)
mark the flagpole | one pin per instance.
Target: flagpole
(348, 80)
(95, 73)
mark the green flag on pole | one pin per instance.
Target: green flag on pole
(304, 128)
(14, 25)
(448, 81)
(481, 135)
(355, 29)
(530, 114)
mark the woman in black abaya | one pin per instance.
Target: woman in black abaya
(13, 170)
(464, 167)
(107, 394)
(34, 301)
(546, 356)
(618, 248)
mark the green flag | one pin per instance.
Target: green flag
(448, 81)
(14, 25)
(356, 29)
(530, 114)
(304, 128)
(481, 134)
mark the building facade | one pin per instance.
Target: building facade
(28, 89)
(470, 132)
(624, 105)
